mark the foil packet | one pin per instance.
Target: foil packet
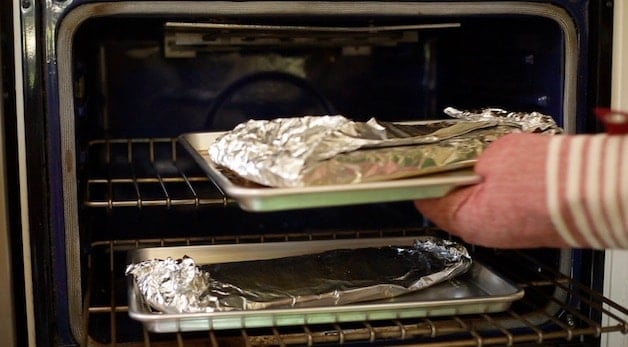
(335, 277)
(322, 150)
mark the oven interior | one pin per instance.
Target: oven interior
(140, 81)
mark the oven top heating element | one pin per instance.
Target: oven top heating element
(187, 39)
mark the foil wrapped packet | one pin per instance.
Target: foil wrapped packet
(322, 150)
(334, 277)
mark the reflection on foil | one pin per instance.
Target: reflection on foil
(528, 122)
(321, 150)
(334, 277)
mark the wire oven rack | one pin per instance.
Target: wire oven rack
(143, 173)
(552, 309)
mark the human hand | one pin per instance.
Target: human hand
(508, 209)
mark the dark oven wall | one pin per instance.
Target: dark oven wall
(141, 79)
(138, 79)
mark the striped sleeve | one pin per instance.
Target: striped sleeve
(587, 189)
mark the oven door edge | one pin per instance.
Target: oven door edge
(19, 220)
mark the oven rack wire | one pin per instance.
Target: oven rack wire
(551, 311)
(143, 172)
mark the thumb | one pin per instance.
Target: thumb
(445, 211)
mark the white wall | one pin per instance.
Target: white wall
(616, 264)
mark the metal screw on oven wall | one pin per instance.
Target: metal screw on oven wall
(26, 4)
(569, 319)
(542, 100)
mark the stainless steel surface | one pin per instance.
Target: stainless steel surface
(273, 199)
(480, 291)
(7, 322)
(25, 50)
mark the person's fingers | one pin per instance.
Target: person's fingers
(444, 212)
(508, 208)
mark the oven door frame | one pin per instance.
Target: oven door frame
(61, 30)
(42, 183)
(7, 320)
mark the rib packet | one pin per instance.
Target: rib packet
(330, 278)
(324, 150)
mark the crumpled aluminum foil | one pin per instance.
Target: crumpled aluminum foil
(170, 284)
(527, 122)
(334, 277)
(321, 150)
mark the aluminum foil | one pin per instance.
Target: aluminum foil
(320, 150)
(528, 122)
(335, 277)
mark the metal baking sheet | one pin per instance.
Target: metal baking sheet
(480, 290)
(257, 198)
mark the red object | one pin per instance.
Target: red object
(615, 122)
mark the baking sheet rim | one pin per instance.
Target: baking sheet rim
(370, 307)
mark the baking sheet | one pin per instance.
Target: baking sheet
(478, 291)
(258, 198)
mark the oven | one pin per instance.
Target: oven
(104, 90)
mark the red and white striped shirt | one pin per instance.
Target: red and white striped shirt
(587, 189)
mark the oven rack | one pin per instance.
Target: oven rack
(550, 312)
(145, 172)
